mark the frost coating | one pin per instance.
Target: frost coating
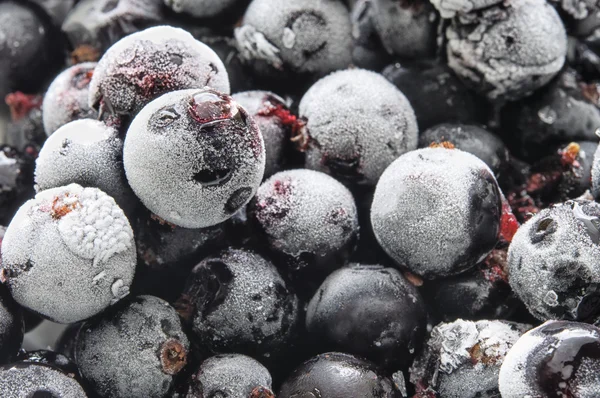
(190, 166)
(358, 124)
(302, 36)
(463, 358)
(146, 64)
(553, 262)
(67, 97)
(85, 152)
(25, 380)
(64, 250)
(449, 8)
(200, 8)
(596, 174)
(507, 51)
(436, 211)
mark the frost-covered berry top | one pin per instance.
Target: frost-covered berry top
(68, 253)
(37, 380)
(146, 64)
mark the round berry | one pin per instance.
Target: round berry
(67, 97)
(11, 324)
(68, 254)
(436, 211)
(85, 152)
(556, 359)
(146, 64)
(134, 351)
(552, 262)
(357, 123)
(194, 157)
(395, 311)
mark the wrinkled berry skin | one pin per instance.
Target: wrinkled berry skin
(31, 50)
(436, 211)
(552, 263)
(194, 157)
(556, 359)
(337, 375)
(238, 302)
(11, 324)
(336, 315)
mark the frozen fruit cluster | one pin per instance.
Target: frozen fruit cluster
(299, 199)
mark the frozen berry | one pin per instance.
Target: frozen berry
(147, 64)
(299, 37)
(201, 8)
(231, 375)
(552, 262)
(556, 359)
(68, 254)
(57, 9)
(16, 182)
(67, 97)
(462, 359)
(88, 153)
(240, 78)
(337, 375)
(508, 50)
(11, 324)
(275, 121)
(396, 315)
(194, 157)
(469, 138)
(100, 23)
(309, 221)
(452, 8)
(133, 351)
(357, 124)
(25, 132)
(436, 211)
(238, 302)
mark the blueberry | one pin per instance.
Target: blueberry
(469, 138)
(11, 323)
(308, 220)
(201, 8)
(135, 350)
(556, 359)
(436, 94)
(552, 265)
(303, 37)
(508, 50)
(238, 302)
(147, 64)
(16, 181)
(436, 211)
(30, 47)
(462, 359)
(85, 152)
(357, 124)
(194, 157)
(337, 375)
(68, 254)
(101, 23)
(231, 375)
(67, 97)
(396, 315)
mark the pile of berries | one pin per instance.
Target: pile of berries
(300, 198)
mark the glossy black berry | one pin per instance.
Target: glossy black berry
(556, 359)
(133, 351)
(396, 314)
(337, 375)
(11, 324)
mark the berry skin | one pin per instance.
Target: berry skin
(337, 375)
(238, 302)
(147, 64)
(552, 263)
(436, 211)
(16, 182)
(231, 375)
(357, 123)
(201, 8)
(85, 152)
(302, 37)
(68, 254)
(11, 324)
(133, 351)
(556, 359)
(194, 157)
(462, 359)
(517, 48)
(395, 311)
(67, 97)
